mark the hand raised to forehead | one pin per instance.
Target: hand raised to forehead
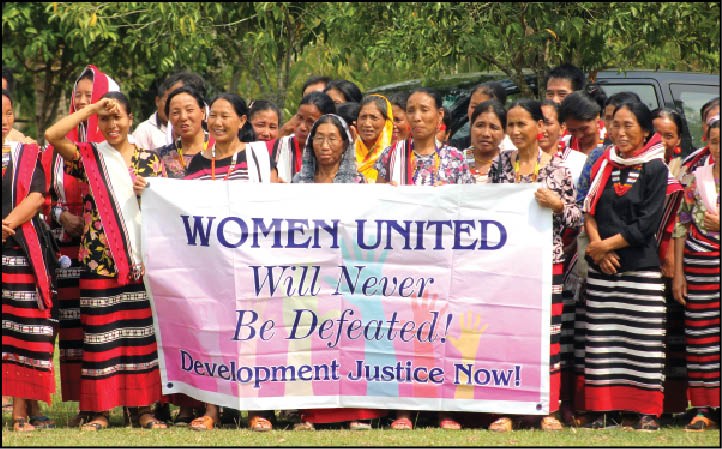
(109, 105)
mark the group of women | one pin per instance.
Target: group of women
(607, 347)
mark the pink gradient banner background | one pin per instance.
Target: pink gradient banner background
(490, 308)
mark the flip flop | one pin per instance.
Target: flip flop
(203, 423)
(260, 424)
(449, 424)
(402, 424)
(359, 425)
(21, 425)
(42, 422)
(99, 422)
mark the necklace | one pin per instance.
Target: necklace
(533, 176)
(414, 169)
(621, 188)
(179, 150)
(231, 167)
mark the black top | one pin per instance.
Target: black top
(37, 185)
(635, 215)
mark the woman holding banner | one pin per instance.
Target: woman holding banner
(120, 360)
(625, 304)
(329, 157)
(530, 164)
(422, 160)
(229, 158)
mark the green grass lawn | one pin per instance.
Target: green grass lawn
(119, 435)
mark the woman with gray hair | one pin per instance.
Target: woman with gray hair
(329, 153)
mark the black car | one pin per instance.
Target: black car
(685, 91)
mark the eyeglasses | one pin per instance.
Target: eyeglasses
(320, 140)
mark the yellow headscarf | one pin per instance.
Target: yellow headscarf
(365, 158)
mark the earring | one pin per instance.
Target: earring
(677, 150)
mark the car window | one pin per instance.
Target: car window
(647, 93)
(690, 98)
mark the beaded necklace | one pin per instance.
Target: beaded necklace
(621, 188)
(413, 169)
(179, 150)
(533, 177)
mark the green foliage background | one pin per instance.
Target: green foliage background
(268, 49)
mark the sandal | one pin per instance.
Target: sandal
(259, 424)
(151, 422)
(502, 424)
(99, 422)
(22, 425)
(550, 423)
(42, 422)
(204, 422)
(80, 419)
(359, 425)
(449, 424)
(303, 425)
(402, 424)
(699, 423)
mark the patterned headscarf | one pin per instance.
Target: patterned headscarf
(347, 172)
(102, 83)
(365, 158)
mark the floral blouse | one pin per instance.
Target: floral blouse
(447, 165)
(171, 158)
(94, 252)
(556, 177)
(692, 209)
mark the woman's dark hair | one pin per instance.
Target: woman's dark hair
(596, 93)
(378, 101)
(185, 90)
(533, 107)
(399, 99)
(554, 106)
(579, 106)
(191, 79)
(350, 91)
(334, 121)
(349, 112)
(323, 102)
(315, 80)
(490, 106)
(245, 134)
(492, 89)
(264, 105)
(86, 75)
(642, 114)
(673, 115)
(622, 97)
(712, 125)
(707, 106)
(430, 92)
(6, 93)
(8, 77)
(120, 98)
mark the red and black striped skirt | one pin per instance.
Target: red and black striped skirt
(27, 332)
(119, 356)
(702, 323)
